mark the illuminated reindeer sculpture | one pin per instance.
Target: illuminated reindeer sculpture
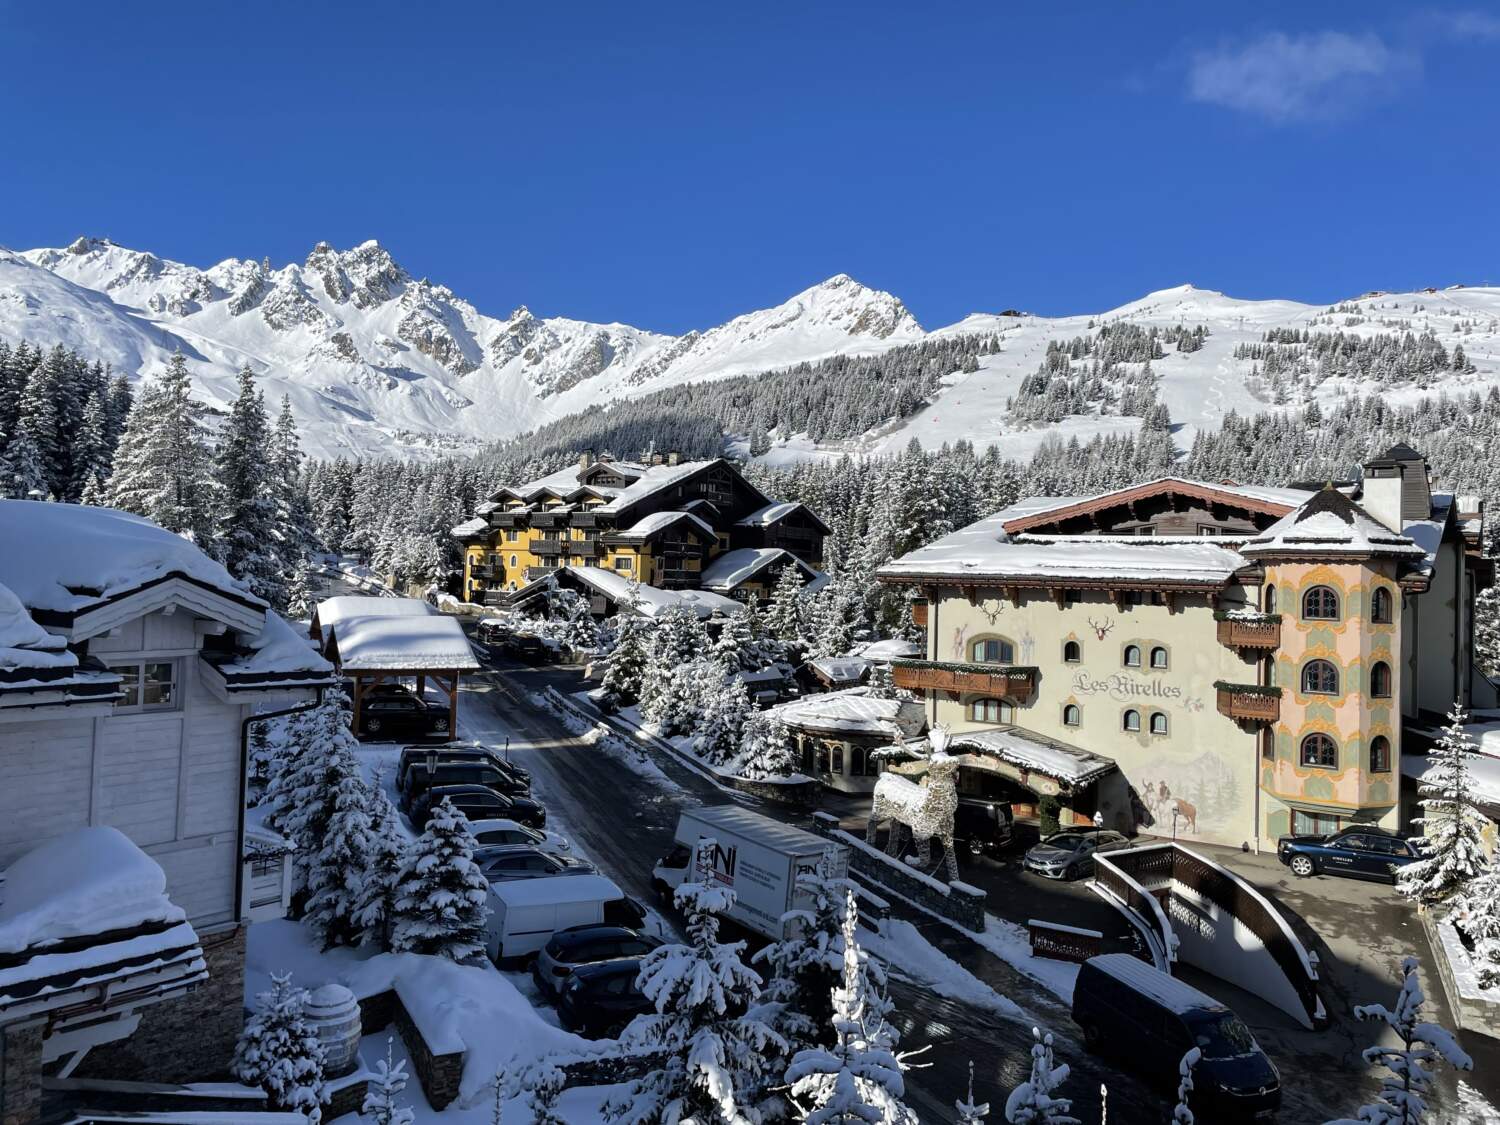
(927, 809)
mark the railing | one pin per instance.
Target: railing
(919, 612)
(677, 575)
(550, 519)
(1249, 703)
(1241, 632)
(584, 548)
(585, 519)
(545, 547)
(535, 572)
(508, 519)
(1141, 904)
(988, 679)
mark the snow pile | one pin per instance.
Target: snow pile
(24, 643)
(87, 882)
(278, 648)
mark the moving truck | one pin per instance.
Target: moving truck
(756, 857)
(525, 913)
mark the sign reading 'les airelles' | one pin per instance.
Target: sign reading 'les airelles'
(1124, 688)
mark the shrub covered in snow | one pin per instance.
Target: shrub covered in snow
(1452, 827)
(381, 1106)
(279, 1051)
(1032, 1102)
(441, 895)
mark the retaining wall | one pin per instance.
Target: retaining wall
(958, 902)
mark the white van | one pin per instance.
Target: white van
(525, 913)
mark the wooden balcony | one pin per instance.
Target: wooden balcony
(919, 612)
(584, 548)
(1249, 703)
(585, 519)
(1250, 632)
(1006, 681)
(545, 547)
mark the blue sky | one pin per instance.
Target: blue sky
(673, 165)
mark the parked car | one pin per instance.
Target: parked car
(455, 752)
(983, 825)
(599, 1000)
(586, 945)
(1359, 853)
(526, 646)
(492, 631)
(478, 802)
(420, 779)
(391, 711)
(1149, 1020)
(500, 832)
(512, 862)
(1069, 854)
(525, 913)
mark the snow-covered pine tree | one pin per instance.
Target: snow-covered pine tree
(162, 467)
(389, 1079)
(723, 708)
(766, 749)
(538, 1084)
(385, 853)
(629, 659)
(1032, 1102)
(857, 1080)
(335, 879)
(295, 535)
(881, 684)
(306, 791)
(703, 993)
(1487, 630)
(91, 450)
(23, 475)
(248, 540)
(441, 895)
(784, 616)
(969, 1111)
(1454, 849)
(1181, 1113)
(1403, 1092)
(261, 755)
(669, 685)
(734, 649)
(279, 1051)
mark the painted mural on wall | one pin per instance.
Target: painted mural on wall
(1201, 796)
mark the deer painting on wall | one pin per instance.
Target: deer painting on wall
(927, 809)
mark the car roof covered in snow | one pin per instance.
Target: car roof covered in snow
(556, 890)
(1175, 995)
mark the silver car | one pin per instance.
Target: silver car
(501, 864)
(1069, 854)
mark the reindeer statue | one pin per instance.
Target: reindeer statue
(927, 809)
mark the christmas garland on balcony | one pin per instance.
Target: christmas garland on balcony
(1250, 618)
(1010, 671)
(1249, 689)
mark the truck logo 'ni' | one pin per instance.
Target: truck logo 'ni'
(721, 862)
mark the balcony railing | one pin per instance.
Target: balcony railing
(585, 519)
(1249, 703)
(546, 547)
(1262, 632)
(584, 548)
(919, 612)
(1008, 681)
(535, 572)
(549, 519)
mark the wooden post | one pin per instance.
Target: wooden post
(359, 692)
(453, 706)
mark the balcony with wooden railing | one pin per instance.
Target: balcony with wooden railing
(1004, 680)
(546, 547)
(1249, 703)
(1261, 631)
(584, 548)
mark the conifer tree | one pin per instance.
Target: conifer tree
(629, 659)
(723, 708)
(91, 450)
(1453, 848)
(442, 898)
(538, 1085)
(22, 473)
(1487, 630)
(1032, 1102)
(247, 506)
(386, 851)
(336, 874)
(784, 615)
(381, 1106)
(279, 1051)
(766, 749)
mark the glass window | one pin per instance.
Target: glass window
(1380, 606)
(1072, 652)
(1158, 657)
(1319, 677)
(513, 561)
(1158, 722)
(1072, 716)
(1320, 752)
(1320, 604)
(624, 562)
(838, 759)
(1132, 720)
(1313, 824)
(1132, 656)
(148, 686)
(995, 650)
(1380, 754)
(991, 711)
(1270, 599)
(1380, 680)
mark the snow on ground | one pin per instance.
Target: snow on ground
(911, 956)
(601, 736)
(1012, 944)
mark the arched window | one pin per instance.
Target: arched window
(1072, 716)
(1072, 652)
(1320, 752)
(1380, 680)
(993, 650)
(1131, 720)
(1320, 604)
(1320, 678)
(1158, 722)
(1132, 657)
(1380, 606)
(513, 561)
(1159, 658)
(991, 711)
(1380, 754)
(1270, 599)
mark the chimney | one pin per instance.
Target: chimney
(1396, 487)
(656, 458)
(674, 458)
(585, 459)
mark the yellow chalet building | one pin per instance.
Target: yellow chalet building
(662, 522)
(1203, 660)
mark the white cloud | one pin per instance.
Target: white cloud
(1282, 77)
(1469, 25)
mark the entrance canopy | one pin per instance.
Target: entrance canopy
(1042, 764)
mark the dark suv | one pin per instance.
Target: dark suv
(1359, 853)
(390, 711)
(478, 802)
(601, 999)
(586, 945)
(527, 647)
(419, 779)
(507, 862)
(983, 825)
(415, 761)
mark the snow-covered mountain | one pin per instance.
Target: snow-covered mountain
(379, 362)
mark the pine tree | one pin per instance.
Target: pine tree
(1032, 1102)
(723, 709)
(1487, 630)
(766, 749)
(442, 898)
(703, 993)
(784, 616)
(1181, 1114)
(859, 1078)
(628, 660)
(385, 1086)
(280, 1052)
(305, 794)
(91, 451)
(375, 904)
(247, 506)
(1453, 849)
(162, 468)
(970, 1113)
(336, 875)
(1403, 1092)
(23, 476)
(538, 1085)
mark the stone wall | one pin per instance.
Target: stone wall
(439, 1074)
(958, 902)
(806, 794)
(190, 1038)
(21, 1076)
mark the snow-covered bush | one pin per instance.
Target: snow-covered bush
(703, 993)
(1452, 842)
(385, 1086)
(279, 1051)
(1403, 1092)
(1181, 1113)
(537, 1085)
(441, 895)
(766, 749)
(1032, 1102)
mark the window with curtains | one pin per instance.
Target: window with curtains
(993, 650)
(1131, 720)
(1381, 605)
(1380, 680)
(1380, 754)
(991, 711)
(1320, 604)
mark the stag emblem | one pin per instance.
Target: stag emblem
(992, 615)
(1101, 628)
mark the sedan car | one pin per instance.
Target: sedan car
(1358, 853)
(477, 802)
(505, 863)
(526, 646)
(586, 945)
(1070, 854)
(391, 712)
(599, 1000)
(499, 832)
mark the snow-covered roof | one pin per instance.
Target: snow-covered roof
(649, 600)
(840, 669)
(652, 481)
(24, 643)
(892, 648)
(277, 656)
(1035, 753)
(1484, 770)
(852, 711)
(765, 517)
(470, 528)
(377, 643)
(734, 568)
(1282, 498)
(331, 611)
(1175, 995)
(660, 521)
(1330, 523)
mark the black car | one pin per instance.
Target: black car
(423, 756)
(1148, 1020)
(390, 711)
(599, 1000)
(1069, 854)
(511, 861)
(419, 779)
(492, 632)
(586, 945)
(1359, 853)
(983, 825)
(525, 646)
(478, 802)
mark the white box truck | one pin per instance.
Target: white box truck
(756, 857)
(525, 913)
